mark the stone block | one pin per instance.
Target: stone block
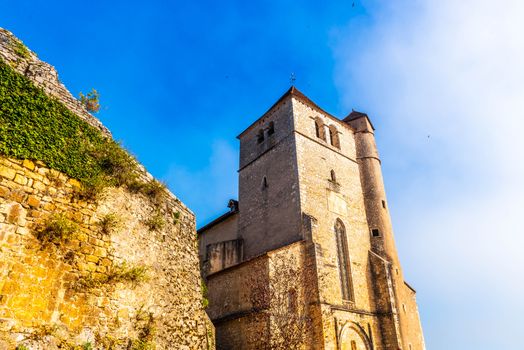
(20, 179)
(6, 172)
(28, 164)
(33, 201)
(38, 185)
(4, 192)
(17, 195)
(74, 183)
(100, 252)
(49, 206)
(92, 258)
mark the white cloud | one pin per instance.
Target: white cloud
(208, 189)
(453, 71)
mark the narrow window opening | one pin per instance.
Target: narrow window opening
(410, 347)
(384, 204)
(333, 176)
(404, 307)
(375, 232)
(264, 183)
(292, 301)
(353, 345)
(319, 129)
(343, 261)
(333, 136)
(271, 129)
(260, 136)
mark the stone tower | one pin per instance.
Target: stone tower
(306, 258)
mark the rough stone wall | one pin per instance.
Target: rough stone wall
(44, 76)
(409, 310)
(326, 203)
(269, 216)
(226, 230)
(361, 328)
(65, 293)
(223, 254)
(300, 165)
(293, 296)
(267, 302)
(238, 304)
(40, 285)
(349, 201)
(408, 332)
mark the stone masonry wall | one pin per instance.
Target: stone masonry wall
(39, 284)
(127, 285)
(269, 214)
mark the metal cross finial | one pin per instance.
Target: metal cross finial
(292, 78)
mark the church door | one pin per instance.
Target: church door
(350, 339)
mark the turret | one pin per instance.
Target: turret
(379, 221)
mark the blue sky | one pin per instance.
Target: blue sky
(441, 80)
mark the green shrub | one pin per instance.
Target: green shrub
(108, 223)
(34, 125)
(139, 344)
(118, 273)
(56, 229)
(116, 163)
(41, 331)
(108, 342)
(91, 101)
(145, 323)
(156, 222)
(87, 346)
(153, 189)
(134, 274)
(176, 217)
(22, 347)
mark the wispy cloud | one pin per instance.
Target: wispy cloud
(207, 190)
(444, 82)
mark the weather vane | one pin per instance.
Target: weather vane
(292, 78)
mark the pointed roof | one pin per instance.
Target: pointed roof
(354, 115)
(293, 91)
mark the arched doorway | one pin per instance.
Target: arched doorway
(351, 339)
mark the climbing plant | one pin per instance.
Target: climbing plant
(36, 126)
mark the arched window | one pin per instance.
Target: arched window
(343, 261)
(260, 136)
(319, 129)
(333, 176)
(271, 129)
(333, 136)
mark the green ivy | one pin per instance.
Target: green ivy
(36, 126)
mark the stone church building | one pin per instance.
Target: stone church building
(306, 258)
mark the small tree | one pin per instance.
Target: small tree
(91, 101)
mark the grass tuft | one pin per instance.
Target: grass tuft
(56, 229)
(108, 223)
(118, 273)
(155, 222)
